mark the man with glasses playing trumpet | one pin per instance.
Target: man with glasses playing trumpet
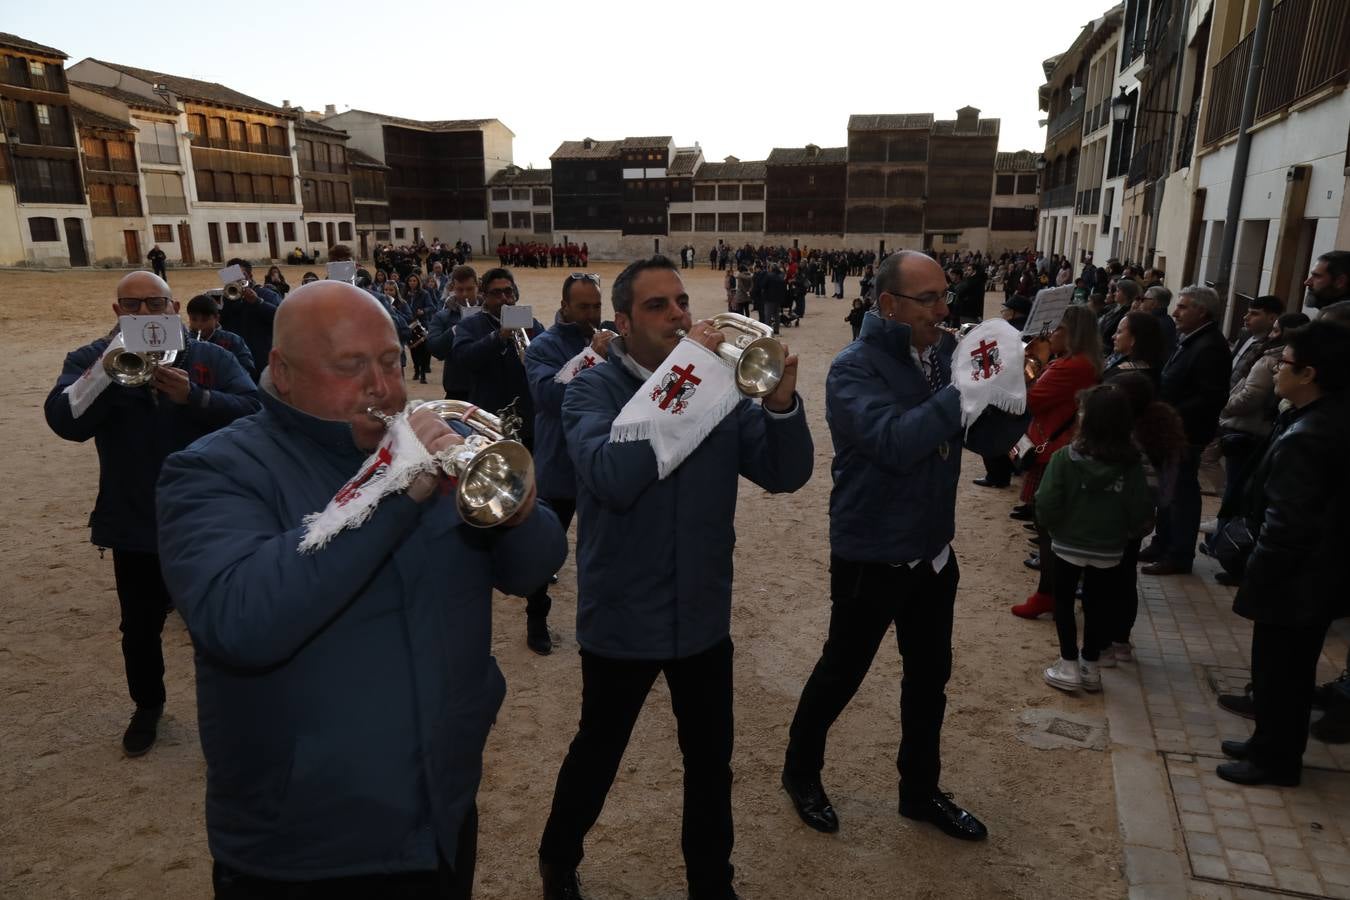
(345, 685)
(139, 409)
(576, 341)
(654, 552)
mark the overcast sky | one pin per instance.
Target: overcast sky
(739, 79)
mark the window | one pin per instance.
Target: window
(344, 231)
(128, 200)
(680, 222)
(36, 68)
(251, 229)
(520, 193)
(752, 222)
(283, 191)
(1005, 185)
(232, 233)
(163, 234)
(501, 220)
(44, 114)
(237, 141)
(121, 158)
(382, 235)
(339, 162)
(288, 232)
(810, 179)
(48, 180)
(728, 192)
(950, 237)
(315, 230)
(752, 192)
(520, 221)
(400, 233)
(1026, 184)
(42, 229)
(197, 127)
(342, 197)
(95, 153)
(158, 142)
(543, 196)
(306, 153)
(257, 137)
(543, 223)
(101, 200)
(728, 221)
(705, 192)
(705, 222)
(501, 193)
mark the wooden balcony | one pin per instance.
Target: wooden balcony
(1306, 51)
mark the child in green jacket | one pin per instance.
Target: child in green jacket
(1092, 500)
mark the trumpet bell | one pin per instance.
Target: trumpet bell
(233, 291)
(134, 369)
(494, 484)
(760, 367)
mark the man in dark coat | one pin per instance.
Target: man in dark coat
(1195, 382)
(1294, 582)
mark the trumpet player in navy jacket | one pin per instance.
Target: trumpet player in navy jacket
(654, 561)
(485, 353)
(895, 420)
(134, 428)
(577, 327)
(344, 696)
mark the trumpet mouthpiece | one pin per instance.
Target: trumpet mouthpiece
(375, 413)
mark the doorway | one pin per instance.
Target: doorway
(213, 232)
(272, 247)
(331, 230)
(185, 253)
(79, 254)
(364, 251)
(133, 241)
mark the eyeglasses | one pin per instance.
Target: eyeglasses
(150, 304)
(923, 301)
(503, 293)
(585, 276)
(1282, 363)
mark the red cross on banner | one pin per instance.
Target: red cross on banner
(675, 385)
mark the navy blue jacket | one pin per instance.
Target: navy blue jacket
(480, 354)
(654, 557)
(253, 323)
(548, 353)
(232, 342)
(894, 494)
(441, 342)
(343, 696)
(134, 431)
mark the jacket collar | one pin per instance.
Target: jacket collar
(618, 355)
(327, 433)
(895, 338)
(1186, 338)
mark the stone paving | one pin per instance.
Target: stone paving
(1186, 832)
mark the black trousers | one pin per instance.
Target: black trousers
(865, 599)
(1099, 592)
(612, 695)
(421, 355)
(450, 881)
(144, 601)
(539, 602)
(1125, 588)
(1284, 668)
(998, 468)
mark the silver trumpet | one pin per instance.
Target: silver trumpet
(755, 356)
(234, 290)
(522, 338)
(133, 369)
(493, 472)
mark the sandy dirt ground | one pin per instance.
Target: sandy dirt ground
(77, 819)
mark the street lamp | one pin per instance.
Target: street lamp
(1041, 163)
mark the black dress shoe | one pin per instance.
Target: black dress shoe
(808, 797)
(1239, 704)
(1032, 562)
(537, 636)
(1021, 515)
(1151, 553)
(1334, 726)
(1247, 772)
(559, 883)
(141, 733)
(986, 482)
(1234, 749)
(946, 815)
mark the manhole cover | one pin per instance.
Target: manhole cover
(1071, 730)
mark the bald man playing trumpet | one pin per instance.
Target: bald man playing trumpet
(344, 693)
(134, 427)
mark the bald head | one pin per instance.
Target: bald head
(143, 293)
(904, 267)
(312, 316)
(335, 355)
